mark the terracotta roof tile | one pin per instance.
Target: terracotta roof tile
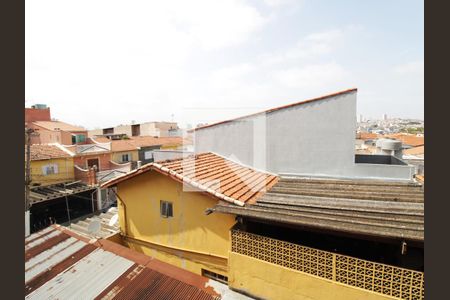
(408, 139)
(46, 151)
(214, 174)
(366, 136)
(58, 125)
(415, 151)
(143, 141)
(122, 145)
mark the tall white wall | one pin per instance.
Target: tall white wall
(315, 138)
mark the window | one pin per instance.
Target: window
(166, 209)
(125, 157)
(78, 138)
(93, 162)
(148, 155)
(50, 169)
(215, 276)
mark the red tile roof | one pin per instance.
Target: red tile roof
(122, 145)
(213, 174)
(61, 264)
(278, 108)
(415, 151)
(135, 142)
(366, 136)
(408, 139)
(144, 141)
(46, 151)
(58, 125)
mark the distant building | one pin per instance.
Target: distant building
(38, 118)
(384, 117)
(50, 164)
(157, 129)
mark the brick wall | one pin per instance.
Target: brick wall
(32, 114)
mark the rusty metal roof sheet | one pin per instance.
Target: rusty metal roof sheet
(59, 264)
(371, 208)
(58, 190)
(213, 174)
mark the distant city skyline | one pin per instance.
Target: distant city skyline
(204, 62)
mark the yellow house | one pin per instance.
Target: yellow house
(171, 221)
(276, 238)
(124, 151)
(50, 164)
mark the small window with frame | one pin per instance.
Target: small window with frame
(166, 209)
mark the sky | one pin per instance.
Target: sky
(103, 63)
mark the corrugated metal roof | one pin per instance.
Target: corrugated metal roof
(211, 173)
(58, 190)
(63, 265)
(371, 208)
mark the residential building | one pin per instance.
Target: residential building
(61, 264)
(272, 236)
(38, 117)
(50, 164)
(416, 156)
(329, 239)
(161, 217)
(156, 129)
(124, 151)
(38, 112)
(315, 137)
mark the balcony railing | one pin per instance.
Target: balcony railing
(376, 277)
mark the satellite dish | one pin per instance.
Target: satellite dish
(114, 220)
(94, 226)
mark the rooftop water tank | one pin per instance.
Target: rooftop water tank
(39, 106)
(391, 145)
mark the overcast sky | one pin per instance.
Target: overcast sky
(104, 63)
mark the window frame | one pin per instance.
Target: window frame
(128, 157)
(166, 209)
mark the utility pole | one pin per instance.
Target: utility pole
(28, 133)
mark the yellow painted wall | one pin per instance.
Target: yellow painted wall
(65, 171)
(270, 281)
(170, 147)
(117, 156)
(190, 240)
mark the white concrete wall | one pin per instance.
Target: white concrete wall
(123, 129)
(313, 137)
(27, 223)
(94, 132)
(316, 138)
(161, 155)
(149, 129)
